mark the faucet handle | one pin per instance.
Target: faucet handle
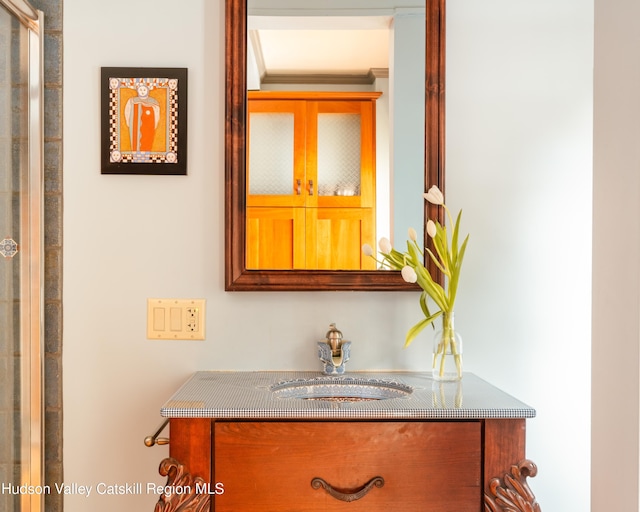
(334, 337)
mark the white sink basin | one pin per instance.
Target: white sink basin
(341, 389)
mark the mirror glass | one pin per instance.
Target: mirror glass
(389, 47)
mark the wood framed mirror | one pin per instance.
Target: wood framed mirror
(237, 276)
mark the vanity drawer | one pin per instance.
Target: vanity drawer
(426, 466)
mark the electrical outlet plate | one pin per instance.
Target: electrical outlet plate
(175, 319)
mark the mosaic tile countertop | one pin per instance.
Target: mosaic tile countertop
(271, 395)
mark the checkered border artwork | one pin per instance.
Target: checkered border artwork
(119, 158)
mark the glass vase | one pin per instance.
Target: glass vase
(447, 351)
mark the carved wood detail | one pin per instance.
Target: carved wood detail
(512, 493)
(188, 495)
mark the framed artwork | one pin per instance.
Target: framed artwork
(144, 121)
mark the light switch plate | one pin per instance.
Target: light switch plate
(176, 319)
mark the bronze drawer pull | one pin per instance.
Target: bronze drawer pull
(376, 481)
(154, 439)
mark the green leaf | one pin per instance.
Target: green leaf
(413, 254)
(454, 239)
(395, 259)
(436, 261)
(423, 304)
(434, 290)
(446, 253)
(440, 244)
(453, 285)
(417, 329)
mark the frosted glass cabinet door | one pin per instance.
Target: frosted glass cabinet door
(271, 155)
(341, 153)
(275, 153)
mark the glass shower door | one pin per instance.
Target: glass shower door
(21, 262)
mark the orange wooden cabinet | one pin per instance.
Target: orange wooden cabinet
(286, 238)
(309, 467)
(310, 180)
(372, 466)
(237, 445)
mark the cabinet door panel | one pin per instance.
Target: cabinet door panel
(275, 238)
(341, 153)
(426, 466)
(276, 153)
(335, 237)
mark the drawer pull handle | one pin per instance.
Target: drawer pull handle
(349, 496)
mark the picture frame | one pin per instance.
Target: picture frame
(154, 101)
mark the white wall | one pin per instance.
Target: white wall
(519, 146)
(406, 108)
(519, 124)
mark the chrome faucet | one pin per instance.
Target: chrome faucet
(334, 352)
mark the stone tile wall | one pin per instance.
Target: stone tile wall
(7, 351)
(52, 10)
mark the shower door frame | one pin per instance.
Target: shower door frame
(32, 268)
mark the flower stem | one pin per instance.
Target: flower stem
(447, 344)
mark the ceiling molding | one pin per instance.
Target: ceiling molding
(326, 78)
(256, 46)
(379, 73)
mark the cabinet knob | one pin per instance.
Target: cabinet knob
(310, 187)
(154, 439)
(298, 186)
(348, 496)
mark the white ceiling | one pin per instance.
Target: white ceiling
(324, 51)
(319, 45)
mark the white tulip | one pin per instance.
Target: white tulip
(385, 245)
(434, 196)
(413, 235)
(367, 250)
(408, 274)
(431, 228)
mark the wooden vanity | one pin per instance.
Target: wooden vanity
(452, 447)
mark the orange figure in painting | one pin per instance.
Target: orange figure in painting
(142, 114)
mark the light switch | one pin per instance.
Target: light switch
(158, 319)
(175, 314)
(175, 319)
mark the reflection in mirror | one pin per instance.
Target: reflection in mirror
(310, 180)
(398, 139)
(363, 52)
(339, 63)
